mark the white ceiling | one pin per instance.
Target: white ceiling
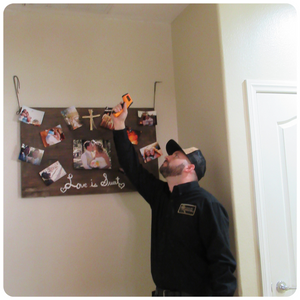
(165, 13)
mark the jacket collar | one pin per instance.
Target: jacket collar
(185, 188)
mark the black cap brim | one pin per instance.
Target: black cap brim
(172, 147)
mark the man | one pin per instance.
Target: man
(87, 156)
(190, 254)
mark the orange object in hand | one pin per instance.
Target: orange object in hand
(126, 99)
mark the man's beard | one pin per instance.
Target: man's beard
(167, 171)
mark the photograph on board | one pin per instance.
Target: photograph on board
(71, 117)
(52, 173)
(147, 118)
(106, 121)
(52, 136)
(151, 152)
(133, 135)
(91, 154)
(31, 116)
(31, 155)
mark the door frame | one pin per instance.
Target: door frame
(254, 87)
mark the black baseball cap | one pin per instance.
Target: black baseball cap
(193, 154)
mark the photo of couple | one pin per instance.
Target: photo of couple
(151, 152)
(94, 154)
(31, 155)
(52, 136)
(147, 118)
(52, 173)
(31, 116)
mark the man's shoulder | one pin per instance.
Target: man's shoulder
(207, 199)
(207, 195)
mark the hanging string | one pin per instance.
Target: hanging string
(17, 88)
(155, 93)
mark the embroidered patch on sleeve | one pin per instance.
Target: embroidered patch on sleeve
(187, 209)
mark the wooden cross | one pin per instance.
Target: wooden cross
(91, 117)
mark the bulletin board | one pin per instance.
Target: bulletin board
(80, 181)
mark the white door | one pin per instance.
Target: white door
(273, 128)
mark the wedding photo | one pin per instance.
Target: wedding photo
(91, 154)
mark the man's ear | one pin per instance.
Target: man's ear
(189, 168)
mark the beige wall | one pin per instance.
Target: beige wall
(80, 245)
(216, 48)
(259, 42)
(200, 97)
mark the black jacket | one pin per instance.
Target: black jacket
(189, 237)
